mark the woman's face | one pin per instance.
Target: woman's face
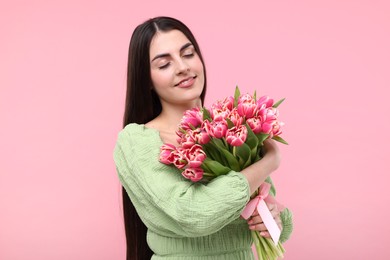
(176, 69)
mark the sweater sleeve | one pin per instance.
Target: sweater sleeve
(285, 216)
(167, 203)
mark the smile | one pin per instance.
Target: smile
(188, 82)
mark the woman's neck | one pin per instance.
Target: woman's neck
(170, 117)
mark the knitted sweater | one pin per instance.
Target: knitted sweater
(185, 220)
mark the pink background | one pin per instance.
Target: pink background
(62, 80)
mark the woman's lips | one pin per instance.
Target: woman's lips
(188, 82)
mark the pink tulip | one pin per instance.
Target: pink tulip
(166, 153)
(277, 130)
(266, 127)
(226, 104)
(219, 114)
(268, 117)
(255, 124)
(265, 102)
(236, 136)
(235, 117)
(218, 129)
(180, 133)
(272, 113)
(192, 119)
(179, 159)
(206, 126)
(262, 113)
(268, 114)
(269, 121)
(187, 140)
(247, 106)
(195, 156)
(201, 136)
(193, 174)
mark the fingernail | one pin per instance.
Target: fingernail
(262, 234)
(251, 227)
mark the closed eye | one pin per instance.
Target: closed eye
(189, 55)
(164, 66)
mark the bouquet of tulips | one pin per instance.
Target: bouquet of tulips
(228, 136)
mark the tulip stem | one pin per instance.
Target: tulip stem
(224, 142)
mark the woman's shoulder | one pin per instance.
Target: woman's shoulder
(137, 142)
(138, 133)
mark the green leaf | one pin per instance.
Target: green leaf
(251, 138)
(244, 154)
(229, 122)
(232, 161)
(205, 168)
(248, 162)
(227, 158)
(261, 137)
(212, 151)
(237, 94)
(215, 167)
(206, 114)
(278, 103)
(279, 139)
(218, 143)
(253, 154)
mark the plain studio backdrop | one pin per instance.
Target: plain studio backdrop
(62, 80)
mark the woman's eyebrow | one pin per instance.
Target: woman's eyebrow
(185, 46)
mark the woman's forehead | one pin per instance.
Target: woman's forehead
(167, 42)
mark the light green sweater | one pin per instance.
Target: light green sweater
(185, 220)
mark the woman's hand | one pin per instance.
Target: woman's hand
(256, 223)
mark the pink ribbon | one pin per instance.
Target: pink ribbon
(259, 203)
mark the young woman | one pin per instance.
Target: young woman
(167, 216)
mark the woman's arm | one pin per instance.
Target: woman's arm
(258, 172)
(167, 203)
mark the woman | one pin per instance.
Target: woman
(169, 217)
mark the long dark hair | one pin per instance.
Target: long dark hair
(143, 105)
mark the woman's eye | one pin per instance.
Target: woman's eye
(164, 66)
(188, 55)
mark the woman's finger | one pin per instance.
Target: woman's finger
(271, 207)
(255, 213)
(275, 213)
(265, 234)
(258, 227)
(255, 220)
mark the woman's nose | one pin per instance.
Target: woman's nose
(182, 67)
